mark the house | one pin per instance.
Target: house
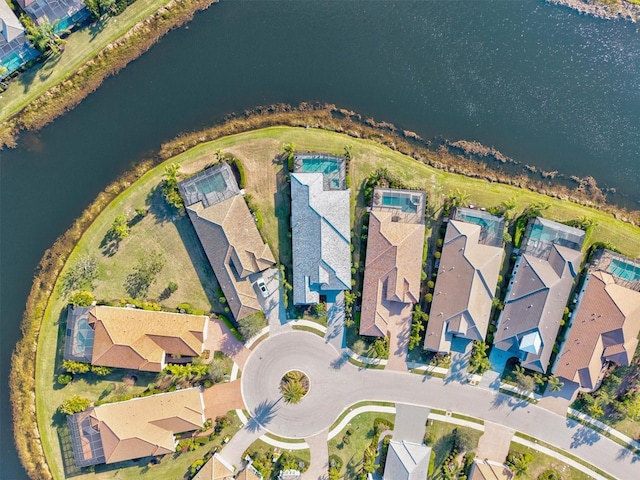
(406, 461)
(537, 294)
(605, 323)
(132, 338)
(249, 473)
(489, 470)
(228, 233)
(467, 278)
(66, 12)
(394, 257)
(216, 468)
(14, 47)
(9, 23)
(320, 226)
(136, 428)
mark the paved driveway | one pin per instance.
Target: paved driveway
(337, 384)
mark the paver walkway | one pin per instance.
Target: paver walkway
(221, 398)
(220, 338)
(319, 446)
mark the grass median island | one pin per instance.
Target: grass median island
(172, 236)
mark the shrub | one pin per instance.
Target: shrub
(428, 297)
(73, 367)
(437, 255)
(431, 284)
(81, 298)
(74, 404)
(100, 370)
(64, 378)
(141, 211)
(172, 287)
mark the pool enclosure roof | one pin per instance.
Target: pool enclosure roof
(542, 234)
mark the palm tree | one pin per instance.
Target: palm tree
(554, 383)
(293, 391)
(45, 37)
(458, 198)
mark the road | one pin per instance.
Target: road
(336, 384)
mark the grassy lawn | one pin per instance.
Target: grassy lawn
(542, 462)
(81, 46)
(441, 437)
(352, 452)
(186, 264)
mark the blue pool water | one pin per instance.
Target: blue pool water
(402, 201)
(213, 183)
(624, 270)
(320, 164)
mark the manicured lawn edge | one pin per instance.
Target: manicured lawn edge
(23, 363)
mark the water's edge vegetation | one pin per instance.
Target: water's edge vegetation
(328, 117)
(66, 95)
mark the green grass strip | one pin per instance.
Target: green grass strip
(564, 453)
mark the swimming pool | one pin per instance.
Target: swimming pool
(624, 270)
(320, 164)
(402, 201)
(212, 183)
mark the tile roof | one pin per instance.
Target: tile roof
(465, 287)
(392, 268)
(489, 470)
(321, 237)
(140, 339)
(605, 327)
(535, 301)
(406, 461)
(215, 469)
(142, 426)
(231, 241)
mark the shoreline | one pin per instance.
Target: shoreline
(616, 11)
(22, 379)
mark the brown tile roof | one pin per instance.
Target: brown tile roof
(464, 289)
(535, 303)
(489, 470)
(249, 473)
(139, 339)
(215, 469)
(146, 426)
(392, 270)
(234, 248)
(605, 327)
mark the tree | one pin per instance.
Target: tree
(519, 463)
(251, 326)
(632, 404)
(74, 404)
(289, 150)
(119, 228)
(71, 366)
(478, 362)
(463, 440)
(293, 391)
(144, 274)
(458, 198)
(554, 383)
(169, 186)
(347, 153)
(44, 36)
(81, 299)
(359, 347)
(100, 8)
(334, 474)
(81, 274)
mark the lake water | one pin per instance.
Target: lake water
(542, 84)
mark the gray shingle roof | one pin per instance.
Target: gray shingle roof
(535, 302)
(406, 461)
(321, 237)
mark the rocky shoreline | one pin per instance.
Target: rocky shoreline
(610, 10)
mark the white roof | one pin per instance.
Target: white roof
(9, 23)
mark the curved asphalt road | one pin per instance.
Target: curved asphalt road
(336, 384)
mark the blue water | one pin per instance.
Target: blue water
(624, 270)
(320, 164)
(403, 201)
(214, 183)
